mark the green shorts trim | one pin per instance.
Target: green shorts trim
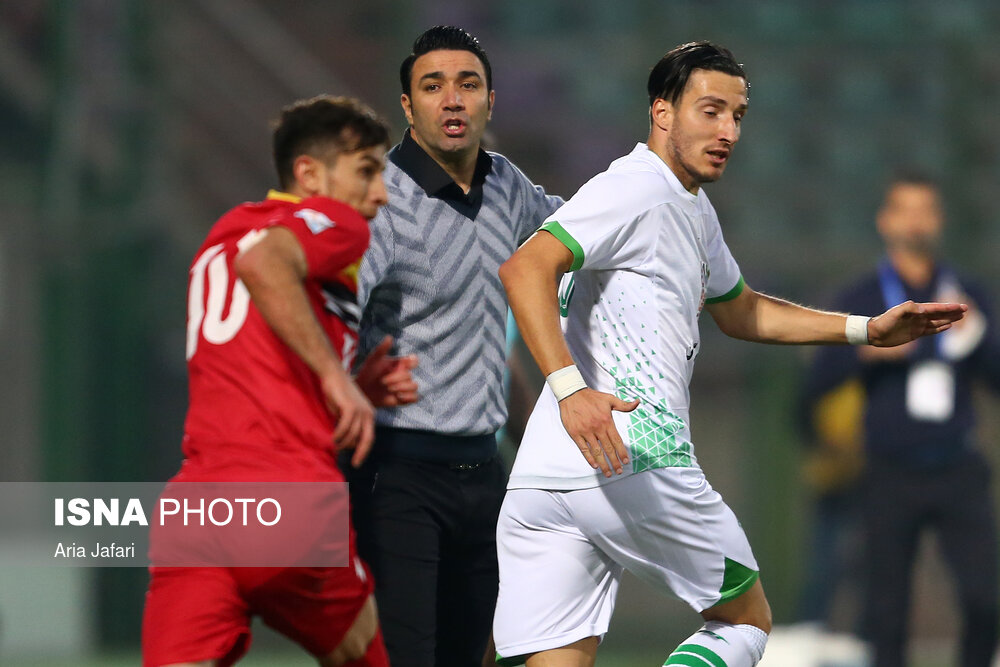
(736, 581)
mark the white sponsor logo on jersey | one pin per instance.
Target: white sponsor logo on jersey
(315, 221)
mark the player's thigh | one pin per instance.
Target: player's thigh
(355, 643)
(556, 587)
(316, 607)
(193, 615)
(672, 530)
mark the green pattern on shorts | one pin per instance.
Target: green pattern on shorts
(652, 430)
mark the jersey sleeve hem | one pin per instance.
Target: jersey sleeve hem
(554, 228)
(730, 295)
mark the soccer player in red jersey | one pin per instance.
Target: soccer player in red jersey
(272, 326)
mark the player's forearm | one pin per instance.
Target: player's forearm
(788, 323)
(285, 308)
(766, 319)
(532, 294)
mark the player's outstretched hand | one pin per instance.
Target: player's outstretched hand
(586, 415)
(908, 321)
(354, 413)
(387, 380)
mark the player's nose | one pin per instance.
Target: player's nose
(378, 194)
(729, 130)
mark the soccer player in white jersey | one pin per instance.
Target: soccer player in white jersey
(606, 478)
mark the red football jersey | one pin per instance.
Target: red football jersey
(256, 410)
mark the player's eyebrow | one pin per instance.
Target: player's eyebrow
(712, 99)
(370, 159)
(464, 74)
(718, 101)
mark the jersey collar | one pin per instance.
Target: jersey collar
(283, 196)
(642, 149)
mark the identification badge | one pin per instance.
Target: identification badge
(961, 339)
(930, 391)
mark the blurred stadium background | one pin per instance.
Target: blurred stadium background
(130, 125)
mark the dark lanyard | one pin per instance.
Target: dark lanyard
(893, 293)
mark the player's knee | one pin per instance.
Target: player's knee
(353, 647)
(760, 615)
(759, 618)
(764, 623)
(750, 608)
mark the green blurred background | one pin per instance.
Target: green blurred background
(130, 125)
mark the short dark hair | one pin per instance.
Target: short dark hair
(911, 175)
(669, 77)
(443, 38)
(323, 127)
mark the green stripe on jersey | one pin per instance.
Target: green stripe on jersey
(554, 228)
(730, 295)
(693, 655)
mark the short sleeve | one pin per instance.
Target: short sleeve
(333, 236)
(538, 206)
(602, 224)
(724, 279)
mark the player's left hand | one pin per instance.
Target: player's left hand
(386, 380)
(353, 411)
(909, 321)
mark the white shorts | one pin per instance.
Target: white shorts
(562, 554)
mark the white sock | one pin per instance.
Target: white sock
(718, 644)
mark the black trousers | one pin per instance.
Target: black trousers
(428, 530)
(955, 502)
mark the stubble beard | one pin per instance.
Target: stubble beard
(698, 177)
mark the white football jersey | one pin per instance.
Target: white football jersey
(648, 255)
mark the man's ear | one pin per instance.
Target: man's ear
(661, 114)
(407, 104)
(307, 171)
(489, 115)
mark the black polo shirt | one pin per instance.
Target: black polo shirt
(435, 181)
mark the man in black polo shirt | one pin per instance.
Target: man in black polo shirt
(426, 504)
(923, 470)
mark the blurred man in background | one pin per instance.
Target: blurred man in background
(270, 399)
(923, 470)
(427, 503)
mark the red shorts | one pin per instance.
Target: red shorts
(203, 613)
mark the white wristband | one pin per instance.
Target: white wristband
(857, 329)
(565, 381)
